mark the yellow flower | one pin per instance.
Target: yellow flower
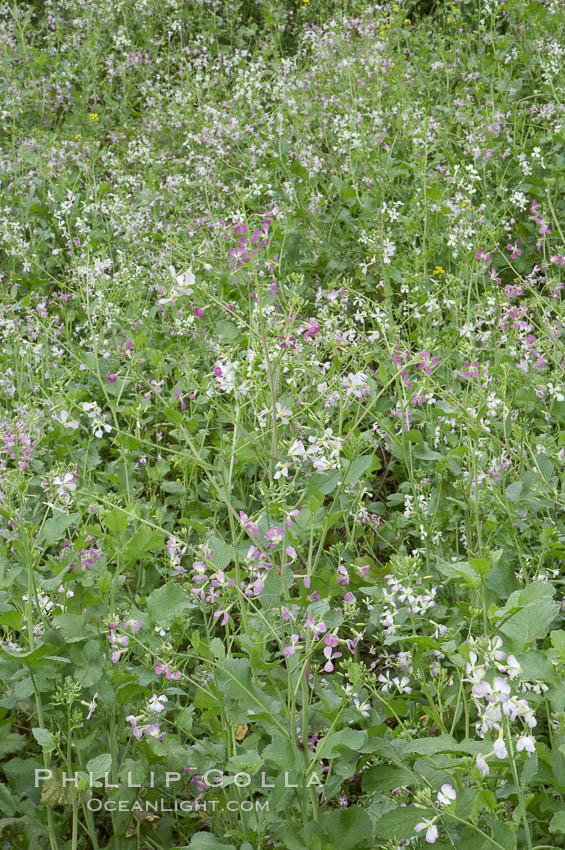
(305, 2)
(78, 137)
(93, 117)
(407, 22)
(439, 272)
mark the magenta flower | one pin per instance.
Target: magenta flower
(291, 648)
(249, 526)
(427, 361)
(161, 668)
(223, 615)
(515, 251)
(136, 730)
(330, 656)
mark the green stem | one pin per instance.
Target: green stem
(519, 789)
(36, 689)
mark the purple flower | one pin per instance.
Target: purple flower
(136, 730)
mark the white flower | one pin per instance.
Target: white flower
(64, 485)
(446, 795)
(184, 282)
(527, 743)
(482, 765)
(65, 421)
(499, 748)
(431, 830)
(91, 408)
(99, 426)
(157, 704)
(297, 450)
(281, 470)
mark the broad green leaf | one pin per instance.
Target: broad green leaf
(44, 738)
(348, 828)
(206, 841)
(55, 528)
(100, 765)
(166, 602)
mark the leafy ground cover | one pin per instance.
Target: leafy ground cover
(281, 439)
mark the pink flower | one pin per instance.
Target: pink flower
(291, 649)
(136, 730)
(160, 668)
(515, 251)
(112, 378)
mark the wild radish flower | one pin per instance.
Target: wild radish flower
(297, 450)
(515, 251)
(93, 705)
(182, 286)
(224, 615)
(176, 551)
(446, 795)
(65, 485)
(249, 526)
(274, 535)
(364, 708)
(157, 704)
(138, 733)
(99, 424)
(526, 743)
(65, 421)
(281, 470)
(431, 830)
(499, 748)
(154, 731)
(169, 674)
(284, 413)
(482, 765)
(291, 648)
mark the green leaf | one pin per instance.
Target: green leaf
(351, 739)
(385, 777)
(514, 491)
(100, 765)
(557, 824)
(73, 627)
(166, 602)
(480, 565)
(44, 738)
(399, 823)
(222, 553)
(116, 520)
(217, 648)
(426, 453)
(532, 621)
(206, 841)
(8, 804)
(143, 541)
(348, 828)
(55, 528)
(227, 330)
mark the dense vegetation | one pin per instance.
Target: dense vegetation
(281, 443)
